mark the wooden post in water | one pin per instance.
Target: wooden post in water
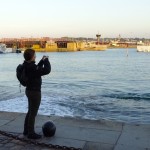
(127, 53)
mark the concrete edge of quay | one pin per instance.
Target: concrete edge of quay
(79, 133)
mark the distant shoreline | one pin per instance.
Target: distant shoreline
(90, 49)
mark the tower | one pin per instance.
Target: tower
(98, 38)
(119, 37)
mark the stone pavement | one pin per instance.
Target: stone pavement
(78, 133)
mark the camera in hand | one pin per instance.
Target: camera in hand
(44, 57)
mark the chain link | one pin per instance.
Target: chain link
(37, 143)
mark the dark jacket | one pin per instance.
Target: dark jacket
(34, 73)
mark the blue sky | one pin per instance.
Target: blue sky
(77, 18)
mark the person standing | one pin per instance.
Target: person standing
(33, 89)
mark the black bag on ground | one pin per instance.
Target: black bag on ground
(21, 74)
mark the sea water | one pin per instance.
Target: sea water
(86, 84)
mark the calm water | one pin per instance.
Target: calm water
(95, 85)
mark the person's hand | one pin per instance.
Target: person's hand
(44, 57)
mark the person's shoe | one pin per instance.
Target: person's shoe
(34, 136)
(25, 133)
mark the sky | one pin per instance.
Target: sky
(75, 18)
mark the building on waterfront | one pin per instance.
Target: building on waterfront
(55, 45)
(66, 44)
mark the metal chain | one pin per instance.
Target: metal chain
(37, 143)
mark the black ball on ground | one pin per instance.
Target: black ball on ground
(49, 129)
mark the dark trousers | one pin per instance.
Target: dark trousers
(34, 100)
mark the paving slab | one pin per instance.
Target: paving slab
(40, 120)
(13, 129)
(9, 115)
(135, 135)
(3, 122)
(96, 124)
(18, 121)
(64, 142)
(97, 146)
(127, 147)
(85, 134)
(132, 128)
